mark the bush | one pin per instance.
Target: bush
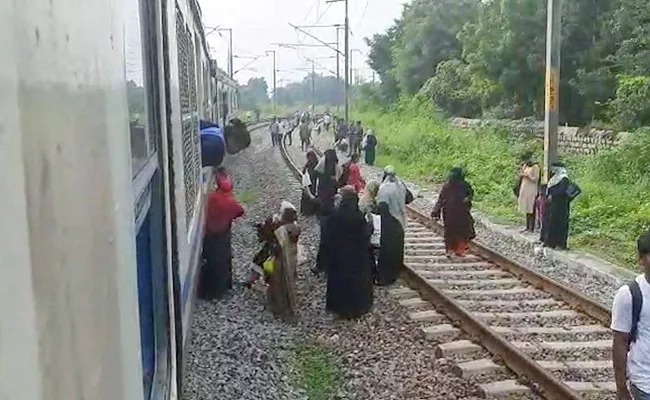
(631, 108)
(612, 211)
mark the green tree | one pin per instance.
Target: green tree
(254, 94)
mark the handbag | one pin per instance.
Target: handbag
(269, 265)
(573, 191)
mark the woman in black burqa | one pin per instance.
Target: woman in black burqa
(327, 173)
(555, 224)
(349, 279)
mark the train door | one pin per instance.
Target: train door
(145, 130)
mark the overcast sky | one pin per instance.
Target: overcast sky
(258, 24)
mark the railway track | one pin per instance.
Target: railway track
(513, 331)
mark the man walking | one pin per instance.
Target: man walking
(305, 135)
(631, 330)
(275, 131)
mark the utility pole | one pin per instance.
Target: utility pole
(347, 72)
(338, 71)
(313, 85)
(552, 97)
(346, 59)
(274, 78)
(231, 70)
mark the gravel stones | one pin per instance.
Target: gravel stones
(240, 351)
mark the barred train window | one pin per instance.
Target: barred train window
(141, 149)
(189, 116)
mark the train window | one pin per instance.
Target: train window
(141, 149)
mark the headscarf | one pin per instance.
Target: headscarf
(223, 208)
(457, 174)
(349, 204)
(312, 159)
(288, 212)
(392, 192)
(328, 163)
(369, 197)
(559, 172)
(224, 183)
(389, 174)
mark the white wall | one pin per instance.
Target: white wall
(68, 300)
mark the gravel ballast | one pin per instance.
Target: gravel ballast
(240, 351)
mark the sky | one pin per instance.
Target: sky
(258, 25)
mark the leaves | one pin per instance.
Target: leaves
(477, 58)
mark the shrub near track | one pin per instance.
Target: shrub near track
(612, 211)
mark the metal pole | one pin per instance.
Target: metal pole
(313, 85)
(230, 56)
(351, 69)
(552, 95)
(338, 72)
(347, 63)
(274, 78)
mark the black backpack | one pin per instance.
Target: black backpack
(637, 304)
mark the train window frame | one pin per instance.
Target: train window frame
(143, 70)
(148, 198)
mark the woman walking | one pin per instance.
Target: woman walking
(216, 273)
(455, 203)
(391, 200)
(369, 146)
(349, 278)
(354, 174)
(528, 189)
(555, 226)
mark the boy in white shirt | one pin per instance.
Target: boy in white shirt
(631, 349)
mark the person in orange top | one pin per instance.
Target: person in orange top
(216, 272)
(354, 174)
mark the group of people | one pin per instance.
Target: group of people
(353, 139)
(546, 206)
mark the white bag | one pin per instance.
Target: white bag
(364, 142)
(376, 233)
(306, 180)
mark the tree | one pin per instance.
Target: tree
(482, 58)
(254, 94)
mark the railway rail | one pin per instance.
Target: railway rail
(555, 339)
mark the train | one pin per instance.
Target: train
(103, 194)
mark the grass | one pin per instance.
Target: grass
(246, 197)
(612, 211)
(316, 370)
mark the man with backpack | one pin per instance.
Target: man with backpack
(631, 330)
